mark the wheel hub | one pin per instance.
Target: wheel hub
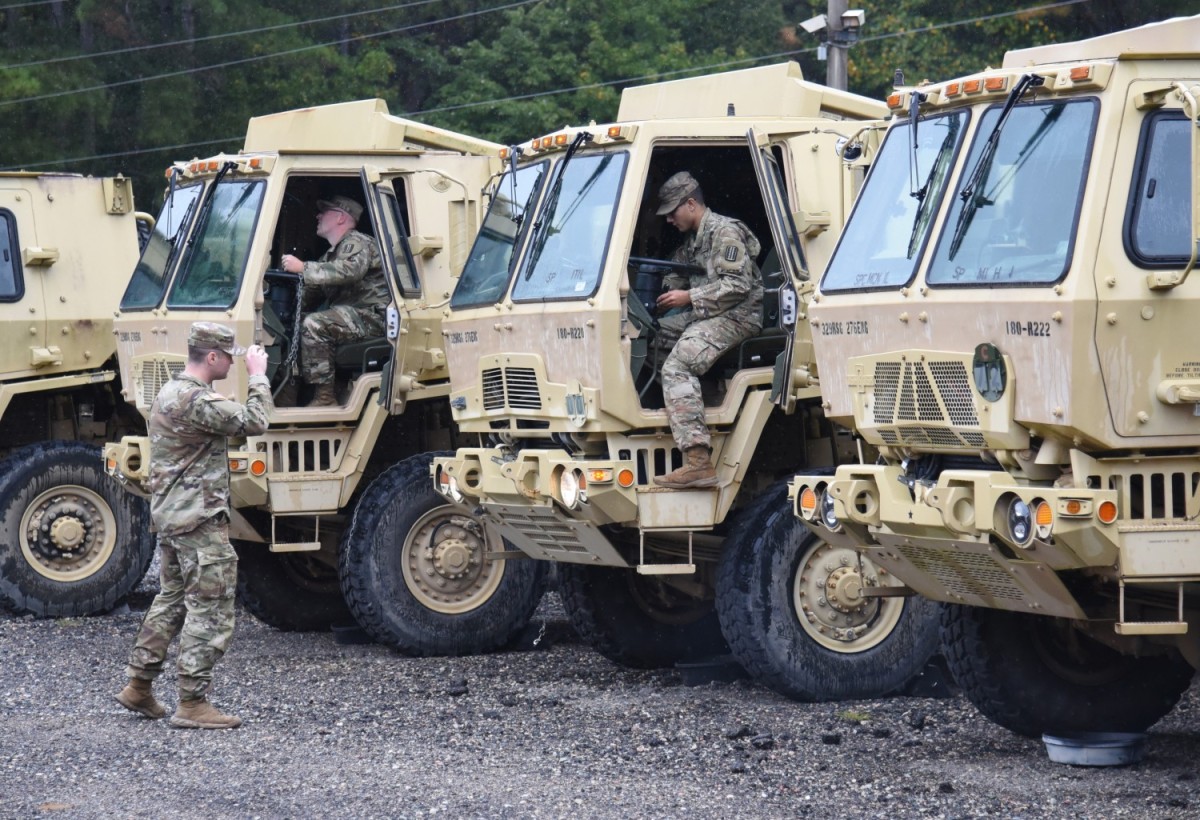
(828, 597)
(452, 558)
(843, 590)
(444, 563)
(60, 529)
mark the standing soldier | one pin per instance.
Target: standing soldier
(189, 483)
(351, 276)
(723, 307)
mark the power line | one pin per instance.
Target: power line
(260, 57)
(32, 3)
(626, 80)
(206, 38)
(135, 152)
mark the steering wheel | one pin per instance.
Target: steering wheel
(667, 264)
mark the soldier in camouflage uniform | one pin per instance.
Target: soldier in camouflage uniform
(189, 484)
(351, 278)
(722, 307)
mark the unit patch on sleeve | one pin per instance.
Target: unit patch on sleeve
(731, 253)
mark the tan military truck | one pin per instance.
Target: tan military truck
(548, 338)
(71, 541)
(333, 512)
(1010, 319)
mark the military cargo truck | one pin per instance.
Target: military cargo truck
(71, 541)
(548, 337)
(333, 513)
(1010, 320)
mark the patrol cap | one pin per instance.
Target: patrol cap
(340, 203)
(675, 191)
(212, 336)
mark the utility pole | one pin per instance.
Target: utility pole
(835, 68)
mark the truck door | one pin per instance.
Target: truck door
(789, 366)
(23, 264)
(386, 209)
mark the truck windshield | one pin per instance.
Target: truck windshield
(1018, 227)
(565, 260)
(486, 273)
(885, 236)
(212, 268)
(149, 280)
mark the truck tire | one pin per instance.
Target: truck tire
(1033, 674)
(415, 577)
(637, 620)
(289, 590)
(73, 542)
(789, 608)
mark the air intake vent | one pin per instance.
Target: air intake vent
(493, 389)
(154, 374)
(514, 387)
(925, 403)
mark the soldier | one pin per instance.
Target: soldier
(722, 307)
(189, 483)
(351, 276)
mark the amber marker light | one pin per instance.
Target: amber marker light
(560, 139)
(625, 478)
(808, 503)
(995, 83)
(953, 89)
(1082, 72)
(1043, 519)
(599, 475)
(111, 464)
(972, 86)
(1107, 512)
(258, 467)
(1073, 506)
(237, 465)
(614, 131)
(503, 153)
(256, 162)
(893, 100)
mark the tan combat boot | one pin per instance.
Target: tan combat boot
(697, 471)
(324, 397)
(200, 714)
(136, 697)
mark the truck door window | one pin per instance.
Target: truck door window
(886, 234)
(11, 286)
(215, 259)
(149, 280)
(1158, 229)
(1023, 229)
(392, 239)
(570, 236)
(486, 272)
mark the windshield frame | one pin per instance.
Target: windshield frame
(899, 135)
(519, 240)
(187, 215)
(952, 211)
(189, 256)
(525, 271)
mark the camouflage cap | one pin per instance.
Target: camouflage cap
(212, 336)
(340, 203)
(675, 191)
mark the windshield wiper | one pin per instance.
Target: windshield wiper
(971, 195)
(541, 225)
(914, 169)
(207, 202)
(921, 218)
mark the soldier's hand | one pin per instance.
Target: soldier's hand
(291, 264)
(256, 360)
(674, 299)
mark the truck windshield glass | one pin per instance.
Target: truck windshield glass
(1025, 201)
(1160, 228)
(887, 232)
(149, 280)
(486, 273)
(576, 223)
(215, 258)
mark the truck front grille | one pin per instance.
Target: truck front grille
(925, 403)
(513, 387)
(150, 376)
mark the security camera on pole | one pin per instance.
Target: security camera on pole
(842, 27)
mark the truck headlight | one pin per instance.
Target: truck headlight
(828, 513)
(1020, 522)
(570, 488)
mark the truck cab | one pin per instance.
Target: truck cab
(328, 520)
(550, 343)
(1006, 323)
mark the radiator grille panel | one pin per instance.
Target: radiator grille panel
(156, 373)
(512, 387)
(933, 397)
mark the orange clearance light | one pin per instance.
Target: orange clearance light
(599, 475)
(1107, 512)
(258, 468)
(237, 465)
(503, 153)
(1043, 514)
(111, 464)
(972, 86)
(1073, 506)
(255, 162)
(625, 478)
(213, 165)
(808, 502)
(560, 139)
(995, 83)
(1082, 72)
(167, 173)
(953, 88)
(614, 131)
(893, 100)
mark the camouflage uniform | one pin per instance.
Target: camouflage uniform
(726, 309)
(351, 276)
(189, 482)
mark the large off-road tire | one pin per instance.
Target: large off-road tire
(1034, 674)
(415, 575)
(291, 591)
(638, 620)
(790, 608)
(72, 541)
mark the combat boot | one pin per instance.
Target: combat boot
(697, 471)
(324, 397)
(200, 714)
(137, 697)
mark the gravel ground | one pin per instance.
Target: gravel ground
(554, 731)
